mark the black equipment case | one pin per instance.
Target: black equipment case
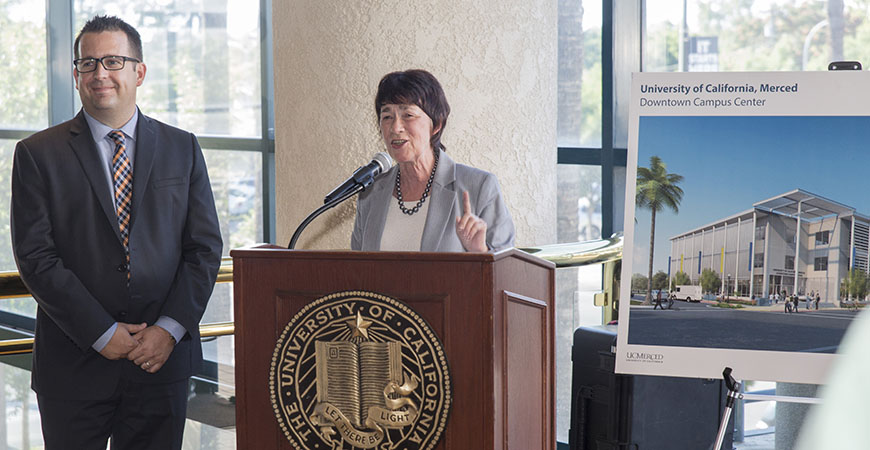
(610, 411)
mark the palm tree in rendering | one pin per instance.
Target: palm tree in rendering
(656, 190)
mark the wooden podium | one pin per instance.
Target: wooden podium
(492, 312)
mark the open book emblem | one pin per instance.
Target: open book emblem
(357, 370)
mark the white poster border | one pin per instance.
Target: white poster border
(727, 94)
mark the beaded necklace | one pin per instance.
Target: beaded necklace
(425, 192)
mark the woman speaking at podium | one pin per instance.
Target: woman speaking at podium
(426, 202)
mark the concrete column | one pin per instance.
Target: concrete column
(765, 271)
(722, 255)
(497, 62)
(790, 416)
(851, 245)
(868, 256)
(752, 249)
(683, 254)
(692, 269)
(712, 248)
(737, 256)
(797, 248)
(701, 255)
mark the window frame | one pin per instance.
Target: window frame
(823, 237)
(619, 58)
(758, 261)
(60, 17)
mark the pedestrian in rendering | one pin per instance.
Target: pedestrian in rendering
(795, 299)
(776, 298)
(818, 297)
(658, 300)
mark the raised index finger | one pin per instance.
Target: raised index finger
(466, 202)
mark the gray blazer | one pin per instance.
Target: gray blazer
(439, 232)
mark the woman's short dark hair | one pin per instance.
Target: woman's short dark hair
(416, 87)
(99, 24)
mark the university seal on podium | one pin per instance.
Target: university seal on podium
(359, 370)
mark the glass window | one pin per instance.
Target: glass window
(579, 186)
(579, 77)
(209, 425)
(575, 307)
(758, 260)
(759, 418)
(24, 90)
(736, 35)
(579, 219)
(203, 61)
(204, 73)
(23, 306)
(7, 149)
(578, 203)
(21, 423)
(820, 263)
(789, 262)
(237, 182)
(204, 76)
(822, 237)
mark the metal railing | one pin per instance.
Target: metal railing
(25, 345)
(563, 255)
(11, 286)
(576, 254)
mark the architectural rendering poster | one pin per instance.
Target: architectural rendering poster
(747, 223)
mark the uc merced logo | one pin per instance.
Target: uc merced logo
(358, 370)
(655, 358)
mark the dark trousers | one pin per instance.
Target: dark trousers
(137, 416)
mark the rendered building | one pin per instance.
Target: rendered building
(757, 251)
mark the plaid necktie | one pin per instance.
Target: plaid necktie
(122, 178)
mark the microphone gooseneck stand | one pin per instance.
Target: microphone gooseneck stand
(321, 210)
(733, 395)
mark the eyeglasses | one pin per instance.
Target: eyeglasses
(111, 62)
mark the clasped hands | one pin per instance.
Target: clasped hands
(148, 347)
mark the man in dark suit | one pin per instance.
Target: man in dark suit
(121, 277)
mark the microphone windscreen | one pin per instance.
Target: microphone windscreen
(384, 160)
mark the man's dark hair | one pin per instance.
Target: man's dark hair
(99, 24)
(416, 87)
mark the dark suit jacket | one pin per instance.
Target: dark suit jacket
(68, 249)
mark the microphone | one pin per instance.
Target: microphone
(361, 179)
(363, 176)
